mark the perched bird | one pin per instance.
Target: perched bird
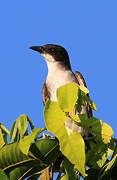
(60, 73)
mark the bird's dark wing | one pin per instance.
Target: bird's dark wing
(82, 82)
(80, 79)
(45, 94)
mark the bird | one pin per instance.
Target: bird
(59, 74)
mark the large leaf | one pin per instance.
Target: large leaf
(11, 154)
(26, 142)
(45, 150)
(101, 149)
(71, 143)
(67, 96)
(13, 161)
(18, 165)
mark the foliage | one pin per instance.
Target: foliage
(33, 155)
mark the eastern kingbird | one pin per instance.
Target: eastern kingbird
(60, 73)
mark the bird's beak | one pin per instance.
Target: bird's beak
(37, 48)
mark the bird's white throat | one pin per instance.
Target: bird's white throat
(48, 57)
(57, 76)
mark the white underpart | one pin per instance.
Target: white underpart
(58, 76)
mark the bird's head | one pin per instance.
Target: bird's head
(53, 53)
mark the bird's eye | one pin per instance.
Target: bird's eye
(53, 50)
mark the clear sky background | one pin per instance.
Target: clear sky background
(87, 29)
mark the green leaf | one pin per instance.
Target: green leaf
(5, 138)
(114, 146)
(3, 176)
(109, 167)
(46, 149)
(18, 172)
(103, 132)
(93, 125)
(13, 131)
(19, 128)
(26, 142)
(18, 165)
(73, 147)
(22, 124)
(79, 103)
(54, 116)
(88, 100)
(103, 156)
(67, 96)
(2, 142)
(11, 154)
(69, 170)
(71, 143)
(4, 129)
(101, 151)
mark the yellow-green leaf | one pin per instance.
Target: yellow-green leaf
(104, 157)
(79, 117)
(71, 144)
(2, 142)
(19, 127)
(22, 124)
(109, 167)
(13, 132)
(67, 96)
(26, 142)
(54, 117)
(84, 89)
(73, 147)
(107, 133)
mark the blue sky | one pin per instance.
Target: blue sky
(87, 29)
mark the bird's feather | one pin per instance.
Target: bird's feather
(81, 82)
(45, 94)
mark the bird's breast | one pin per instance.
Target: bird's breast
(58, 79)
